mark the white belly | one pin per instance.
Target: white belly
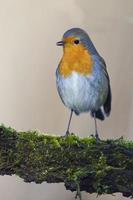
(81, 93)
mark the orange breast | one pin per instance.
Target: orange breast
(76, 58)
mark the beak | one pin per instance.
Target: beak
(60, 43)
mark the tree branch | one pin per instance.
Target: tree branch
(103, 167)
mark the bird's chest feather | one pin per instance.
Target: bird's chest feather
(74, 85)
(76, 59)
(76, 91)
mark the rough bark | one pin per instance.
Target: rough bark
(102, 167)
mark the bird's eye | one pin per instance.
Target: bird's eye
(76, 41)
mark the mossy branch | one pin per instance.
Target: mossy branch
(103, 167)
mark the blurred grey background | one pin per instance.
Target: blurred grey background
(29, 30)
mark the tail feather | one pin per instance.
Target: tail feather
(98, 114)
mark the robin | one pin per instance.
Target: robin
(81, 77)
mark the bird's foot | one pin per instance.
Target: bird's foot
(96, 136)
(66, 134)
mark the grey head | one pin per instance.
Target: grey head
(83, 38)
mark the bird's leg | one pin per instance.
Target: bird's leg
(96, 129)
(69, 122)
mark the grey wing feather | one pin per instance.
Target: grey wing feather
(107, 104)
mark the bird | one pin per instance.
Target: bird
(82, 79)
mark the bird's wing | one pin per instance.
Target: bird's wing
(107, 104)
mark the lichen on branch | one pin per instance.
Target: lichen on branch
(102, 167)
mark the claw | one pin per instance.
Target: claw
(66, 134)
(96, 135)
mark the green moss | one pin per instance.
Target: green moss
(81, 163)
(88, 140)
